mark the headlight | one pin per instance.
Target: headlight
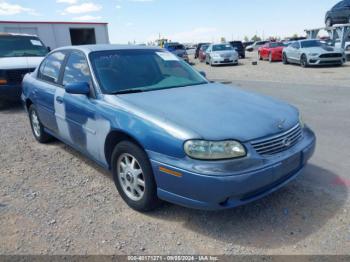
(301, 121)
(211, 150)
(314, 54)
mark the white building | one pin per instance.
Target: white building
(58, 34)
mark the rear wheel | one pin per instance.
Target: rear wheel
(285, 59)
(133, 177)
(303, 61)
(37, 128)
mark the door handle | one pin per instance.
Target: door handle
(59, 99)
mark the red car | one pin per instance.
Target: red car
(271, 51)
(202, 54)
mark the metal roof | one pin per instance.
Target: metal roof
(53, 22)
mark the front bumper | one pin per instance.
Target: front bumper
(224, 190)
(10, 92)
(224, 61)
(326, 61)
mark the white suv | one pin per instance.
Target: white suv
(19, 55)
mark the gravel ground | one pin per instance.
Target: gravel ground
(53, 200)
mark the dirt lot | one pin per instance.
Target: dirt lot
(55, 201)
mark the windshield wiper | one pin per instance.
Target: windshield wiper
(128, 91)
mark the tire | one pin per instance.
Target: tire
(285, 59)
(137, 185)
(37, 127)
(329, 22)
(303, 61)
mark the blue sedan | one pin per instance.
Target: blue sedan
(163, 130)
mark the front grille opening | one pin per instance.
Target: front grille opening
(16, 76)
(278, 143)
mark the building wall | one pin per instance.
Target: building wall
(55, 35)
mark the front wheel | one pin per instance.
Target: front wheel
(133, 177)
(285, 59)
(37, 128)
(303, 61)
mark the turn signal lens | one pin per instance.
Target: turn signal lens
(3, 82)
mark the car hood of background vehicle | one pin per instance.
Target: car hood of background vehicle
(216, 111)
(7, 63)
(322, 50)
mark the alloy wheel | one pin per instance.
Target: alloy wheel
(35, 124)
(303, 61)
(131, 177)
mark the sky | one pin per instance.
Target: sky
(186, 21)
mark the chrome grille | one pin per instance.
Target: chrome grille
(278, 143)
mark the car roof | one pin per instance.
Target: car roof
(107, 47)
(306, 40)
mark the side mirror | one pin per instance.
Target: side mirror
(78, 88)
(203, 74)
(49, 49)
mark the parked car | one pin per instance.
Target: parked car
(255, 46)
(163, 130)
(339, 14)
(245, 44)
(19, 54)
(271, 51)
(312, 53)
(202, 53)
(178, 50)
(238, 46)
(196, 54)
(221, 54)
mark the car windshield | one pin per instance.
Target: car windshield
(204, 47)
(237, 44)
(223, 47)
(311, 43)
(123, 71)
(277, 44)
(19, 46)
(176, 47)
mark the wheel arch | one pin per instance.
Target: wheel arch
(113, 138)
(28, 103)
